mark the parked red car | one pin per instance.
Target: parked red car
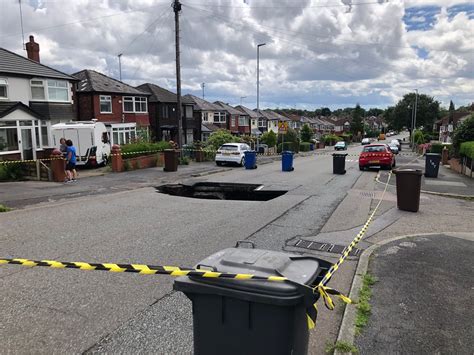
(376, 155)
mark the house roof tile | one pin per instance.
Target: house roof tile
(92, 81)
(159, 94)
(202, 105)
(228, 108)
(14, 64)
(7, 107)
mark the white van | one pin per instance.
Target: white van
(90, 138)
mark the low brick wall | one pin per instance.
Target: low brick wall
(143, 162)
(457, 166)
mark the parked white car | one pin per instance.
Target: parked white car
(232, 153)
(365, 141)
(395, 142)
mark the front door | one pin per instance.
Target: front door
(26, 144)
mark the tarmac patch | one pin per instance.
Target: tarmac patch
(407, 244)
(391, 250)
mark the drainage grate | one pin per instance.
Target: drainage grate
(326, 247)
(367, 194)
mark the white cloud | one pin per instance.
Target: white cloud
(317, 54)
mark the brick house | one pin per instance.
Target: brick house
(232, 116)
(255, 119)
(211, 116)
(163, 115)
(110, 101)
(33, 96)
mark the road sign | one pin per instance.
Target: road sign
(282, 127)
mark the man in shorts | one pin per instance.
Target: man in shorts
(71, 173)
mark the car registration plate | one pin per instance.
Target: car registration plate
(226, 153)
(374, 162)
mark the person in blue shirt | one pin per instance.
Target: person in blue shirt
(70, 161)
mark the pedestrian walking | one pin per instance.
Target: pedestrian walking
(71, 173)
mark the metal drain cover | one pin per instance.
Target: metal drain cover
(325, 247)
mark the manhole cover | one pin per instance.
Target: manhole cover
(221, 191)
(325, 247)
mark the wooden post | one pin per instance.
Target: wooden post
(117, 162)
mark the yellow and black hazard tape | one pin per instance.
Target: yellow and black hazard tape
(356, 240)
(30, 160)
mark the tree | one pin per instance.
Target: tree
(451, 111)
(427, 111)
(464, 133)
(325, 111)
(269, 138)
(306, 133)
(375, 112)
(291, 136)
(220, 137)
(357, 124)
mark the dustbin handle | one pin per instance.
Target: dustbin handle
(245, 241)
(212, 268)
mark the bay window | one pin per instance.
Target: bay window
(219, 117)
(8, 136)
(243, 121)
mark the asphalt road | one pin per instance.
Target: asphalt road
(45, 310)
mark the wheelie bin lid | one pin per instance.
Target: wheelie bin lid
(339, 154)
(286, 152)
(407, 171)
(303, 270)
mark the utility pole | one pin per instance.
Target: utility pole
(177, 9)
(203, 85)
(414, 117)
(120, 66)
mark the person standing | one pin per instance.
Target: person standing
(71, 161)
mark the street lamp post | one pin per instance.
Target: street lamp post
(258, 82)
(241, 98)
(120, 66)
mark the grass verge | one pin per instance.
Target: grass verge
(4, 208)
(341, 346)
(363, 306)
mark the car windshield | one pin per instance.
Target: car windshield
(229, 147)
(340, 143)
(374, 148)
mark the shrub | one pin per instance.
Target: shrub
(12, 171)
(464, 133)
(306, 133)
(419, 137)
(4, 208)
(436, 148)
(219, 138)
(184, 161)
(269, 138)
(286, 146)
(143, 148)
(467, 149)
(331, 139)
(304, 147)
(290, 136)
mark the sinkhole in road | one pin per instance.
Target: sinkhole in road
(221, 191)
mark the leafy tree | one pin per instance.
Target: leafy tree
(269, 138)
(306, 133)
(357, 124)
(290, 136)
(427, 111)
(375, 112)
(451, 111)
(220, 137)
(325, 111)
(463, 133)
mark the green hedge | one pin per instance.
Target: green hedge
(467, 149)
(436, 148)
(143, 148)
(287, 146)
(12, 171)
(304, 147)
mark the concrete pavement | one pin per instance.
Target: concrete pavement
(420, 302)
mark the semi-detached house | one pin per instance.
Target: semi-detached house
(33, 96)
(119, 105)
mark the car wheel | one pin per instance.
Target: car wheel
(218, 163)
(242, 162)
(394, 163)
(361, 168)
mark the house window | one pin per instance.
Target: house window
(204, 116)
(189, 111)
(128, 104)
(57, 90)
(219, 117)
(262, 123)
(140, 104)
(3, 89)
(8, 136)
(37, 90)
(50, 90)
(243, 121)
(105, 104)
(166, 112)
(132, 104)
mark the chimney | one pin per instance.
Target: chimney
(33, 49)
